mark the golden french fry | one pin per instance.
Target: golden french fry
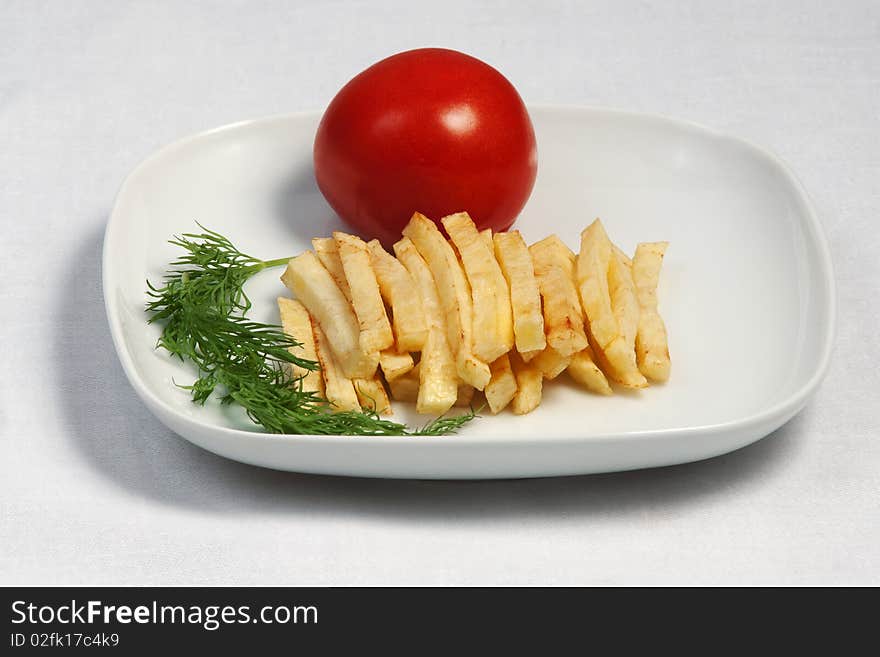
(610, 348)
(652, 350)
(296, 323)
(550, 362)
(563, 315)
(516, 265)
(622, 366)
(315, 288)
(486, 236)
(438, 381)
(328, 254)
(424, 285)
(396, 285)
(584, 371)
(624, 302)
(492, 318)
(394, 363)
(338, 389)
(372, 396)
(529, 385)
(502, 386)
(405, 388)
(625, 306)
(454, 294)
(365, 296)
(438, 378)
(592, 279)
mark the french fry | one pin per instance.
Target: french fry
(375, 329)
(296, 323)
(486, 236)
(584, 371)
(405, 388)
(425, 286)
(529, 385)
(372, 396)
(454, 294)
(338, 389)
(563, 315)
(625, 305)
(516, 265)
(492, 318)
(438, 378)
(624, 302)
(601, 360)
(610, 348)
(652, 350)
(592, 279)
(328, 254)
(396, 285)
(394, 363)
(438, 381)
(502, 386)
(550, 363)
(315, 288)
(622, 366)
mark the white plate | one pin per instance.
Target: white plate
(747, 292)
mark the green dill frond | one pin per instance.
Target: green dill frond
(202, 306)
(443, 425)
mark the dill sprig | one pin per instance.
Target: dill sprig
(202, 306)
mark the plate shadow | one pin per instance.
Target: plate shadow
(301, 209)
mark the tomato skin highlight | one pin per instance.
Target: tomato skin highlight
(429, 130)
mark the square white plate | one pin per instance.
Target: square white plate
(747, 292)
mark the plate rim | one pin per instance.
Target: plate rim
(783, 409)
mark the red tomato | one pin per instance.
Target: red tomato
(429, 130)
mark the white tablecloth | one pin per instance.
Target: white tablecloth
(95, 490)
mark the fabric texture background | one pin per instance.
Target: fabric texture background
(94, 490)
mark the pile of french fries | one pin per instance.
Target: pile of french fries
(441, 319)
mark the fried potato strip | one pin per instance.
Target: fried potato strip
(315, 288)
(516, 264)
(563, 315)
(492, 318)
(652, 349)
(455, 297)
(296, 323)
